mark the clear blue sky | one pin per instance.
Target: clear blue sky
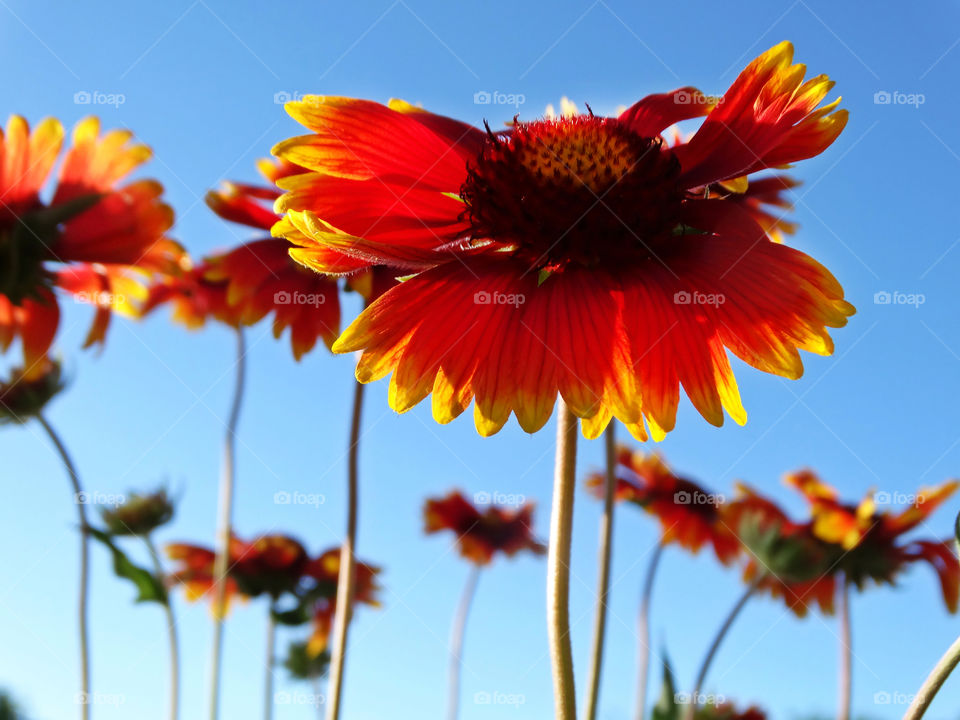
(199, 78)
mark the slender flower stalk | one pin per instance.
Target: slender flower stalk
(346, 580)
(558, 565)
(84, 588)
(171, 633)
(603, 578)
(643, 632)
(715, 646)
(224, 525)
(846, 650)
(457, 633)
(931, 686)
(268, 670)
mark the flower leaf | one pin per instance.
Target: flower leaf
(666, 707)
(149, 587)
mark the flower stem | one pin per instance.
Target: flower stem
(346, 579)
(846, 651)
(171, 633)
(224, 526)
(931, 686)
(603, 577)
(84, 588)
(268, 677)
(721, 634)
(558, 566)
(643, 632)
(457, 633)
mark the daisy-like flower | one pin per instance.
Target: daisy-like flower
(688, 514)
(92, 238)
(261, 276)
(872, 540)
(578, 255)
(786, 559)
(270, 564)
(194, 297)
(481, 535)
(324, 570)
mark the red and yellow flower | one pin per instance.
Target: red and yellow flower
(688, 514)
(325, 569)
(578, 255)
(194, 297)
(481, 535)
(94, 239)
(261, 276)
(873, 544)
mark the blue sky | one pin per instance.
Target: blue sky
(198, 80)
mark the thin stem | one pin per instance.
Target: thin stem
(846, 651)
(603, 575)
(268, 677)
(558, 566)
(224, 526)
(84, 589)
(346, 579)
(643, 632)
(171, 634)
(457, 633)
(721, 634)
(931, 686)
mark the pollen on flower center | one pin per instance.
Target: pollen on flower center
(583, 190)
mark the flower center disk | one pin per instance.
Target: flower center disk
(582, 190)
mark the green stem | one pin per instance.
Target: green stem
(931, 686)
(224, 526)
(268, 677)
(643, 632)
(84, 588)
(558, 566)
(846, 650)
(171, 634)
(346, 579)
(715, 645)
(456, 641)
(603, 576)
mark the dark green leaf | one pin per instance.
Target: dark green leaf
(150, 588)
(666, 707)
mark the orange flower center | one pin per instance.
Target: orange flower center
(582, 190)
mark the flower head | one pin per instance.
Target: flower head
(872, 540)
(195, 298)
(93, 238)
(688, 514)
(24, 394)
(261, 276)
(139, 514)
(578, 254)
(481, 535)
